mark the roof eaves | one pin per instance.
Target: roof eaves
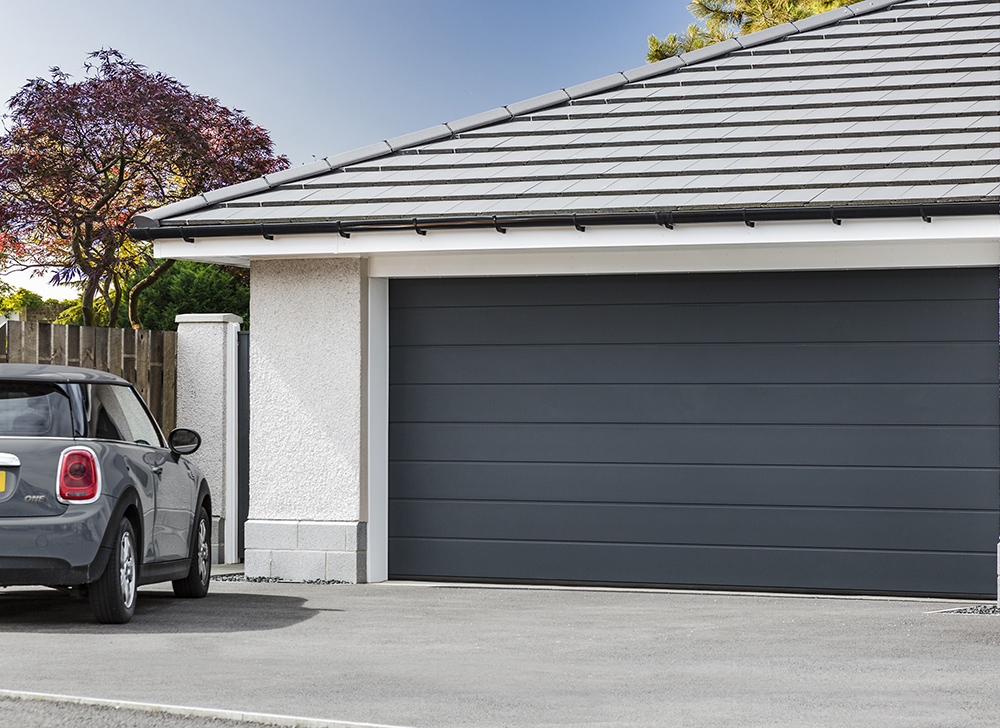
(151, 218)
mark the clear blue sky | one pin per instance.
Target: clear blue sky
(327, 76)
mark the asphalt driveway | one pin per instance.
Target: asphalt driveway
(448, 655)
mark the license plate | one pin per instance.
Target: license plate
(3, 480)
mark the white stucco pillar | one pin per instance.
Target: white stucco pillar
(206, 402)
(308, 379)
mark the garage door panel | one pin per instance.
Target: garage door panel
(925, 363)
(707, 444)
(917, 404)
(866, 321)
(713, 288)
(937, 488)
(718, 567)
(809, 431)
(668, 523)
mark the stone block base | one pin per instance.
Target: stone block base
(307, 550)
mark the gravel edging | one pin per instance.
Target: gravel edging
(979, 609)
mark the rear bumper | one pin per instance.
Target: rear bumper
(62, 550)
(18, 571)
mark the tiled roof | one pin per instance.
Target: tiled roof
(875, 104)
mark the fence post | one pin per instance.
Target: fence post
(207, 402)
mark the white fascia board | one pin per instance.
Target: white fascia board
(688, 259)
(855, 244)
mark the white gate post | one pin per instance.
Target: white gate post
(207, 402)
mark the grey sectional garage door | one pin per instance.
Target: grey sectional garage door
(806, 431)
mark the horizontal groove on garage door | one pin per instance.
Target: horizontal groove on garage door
(822, 430)
(927, 363)
(823, 404)
(768, 485)
(950, 284)
(853, 321)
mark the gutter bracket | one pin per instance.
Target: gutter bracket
(923, 215)
(833, 216)
(188, 240)
(265, 235)
(497, 227)
(747, 221)
(416, 229)
(578, 226)
(340, 230)
(666, 219)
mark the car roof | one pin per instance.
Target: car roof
(53, 373)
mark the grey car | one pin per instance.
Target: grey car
(93, 498)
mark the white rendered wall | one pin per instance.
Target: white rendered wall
(308, 504)
(206, 402)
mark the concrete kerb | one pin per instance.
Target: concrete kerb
(290, 721)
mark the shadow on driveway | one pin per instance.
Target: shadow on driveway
(157, 612)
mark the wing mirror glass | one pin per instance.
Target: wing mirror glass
(183, 441)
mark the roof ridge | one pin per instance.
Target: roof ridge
(151, 218)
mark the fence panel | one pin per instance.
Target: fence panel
(148, 359)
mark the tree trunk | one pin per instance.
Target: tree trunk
(113, 309)
(87, 302)
(138, 288)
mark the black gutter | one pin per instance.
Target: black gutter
(666, 218)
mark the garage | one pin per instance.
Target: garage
(832, 431)
(726, 320)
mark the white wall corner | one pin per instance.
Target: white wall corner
(306, 391)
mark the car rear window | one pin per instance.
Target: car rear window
(29, 409)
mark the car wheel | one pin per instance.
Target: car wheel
(195, 584)
(113, 595)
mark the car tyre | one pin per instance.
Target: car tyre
(113, 595)
(195, 584)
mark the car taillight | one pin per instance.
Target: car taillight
(79, 479)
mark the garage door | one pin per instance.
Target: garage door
(833, 431)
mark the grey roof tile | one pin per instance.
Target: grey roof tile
(151, 218)
(539, 102)
(478, 120)
(652, 70)
(211, 215)
(358, 155)
(792, 197)
(592, 87)
(235, 191)
(818, 21)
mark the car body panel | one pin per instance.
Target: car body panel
(30, 487)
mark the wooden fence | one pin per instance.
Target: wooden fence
(148, 359)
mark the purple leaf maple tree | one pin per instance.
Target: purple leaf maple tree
(80, 158)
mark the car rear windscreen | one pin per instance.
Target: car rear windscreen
(34, 410)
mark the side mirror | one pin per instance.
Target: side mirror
(183, 441)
